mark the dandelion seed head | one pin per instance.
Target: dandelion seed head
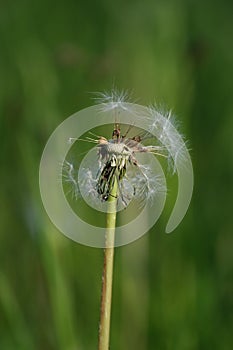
(115, 156)
(114, 159)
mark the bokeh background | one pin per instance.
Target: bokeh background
(171, 292)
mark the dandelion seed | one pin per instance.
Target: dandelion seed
(164, 126)
(70, 177)
(112, 100)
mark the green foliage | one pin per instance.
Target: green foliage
(170, 292)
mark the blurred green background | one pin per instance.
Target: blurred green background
(171, 292)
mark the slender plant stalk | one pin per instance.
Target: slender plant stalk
(106, 297)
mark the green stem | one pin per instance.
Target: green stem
(106, 297)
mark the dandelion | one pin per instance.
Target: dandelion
(117, 177)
